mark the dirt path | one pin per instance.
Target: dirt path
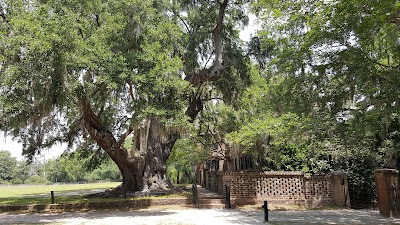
(203, 217)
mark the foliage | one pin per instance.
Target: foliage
(7, 165)
(184, 156)
(343, 61)
(22, 172)
(106, 171)
(109, 46)
(338, 62)
(321, 94)
(55, 171)
(74, 167)
(36, 180)
(67, 168)
(91, 72)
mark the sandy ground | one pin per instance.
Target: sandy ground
(202, 216)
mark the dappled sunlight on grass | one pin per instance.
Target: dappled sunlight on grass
(40, 200)
(58, 200)
(66, 194)
(40, 194)
(25, 190)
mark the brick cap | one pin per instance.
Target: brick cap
(283, 173)
(392, 171)
(337, 173)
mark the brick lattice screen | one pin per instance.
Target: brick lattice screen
(279, 187)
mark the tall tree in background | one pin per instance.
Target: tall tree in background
(94, 72)
(339, 61)
(7, 165)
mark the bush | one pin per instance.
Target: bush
(16, 181)
(4, 181)
(37, 180)
(91, 177)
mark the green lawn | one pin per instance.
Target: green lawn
(40, 194)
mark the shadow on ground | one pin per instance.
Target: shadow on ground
(330, 217)
(203, 216)
(98, 217)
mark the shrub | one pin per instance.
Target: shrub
(36, 180)
(16, 181)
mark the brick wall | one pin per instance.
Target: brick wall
(123, 204)
(319, 190)
(278, 187)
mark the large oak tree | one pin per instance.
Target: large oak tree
(93, 72)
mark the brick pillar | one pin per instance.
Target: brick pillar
(386, 181)
(341, 189)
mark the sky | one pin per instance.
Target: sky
(247, 32)
(6, 142)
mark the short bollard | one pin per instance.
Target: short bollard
(227, 196)
(52, 197)
(265, 207)
(195, 196)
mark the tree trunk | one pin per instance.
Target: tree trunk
(144, 166)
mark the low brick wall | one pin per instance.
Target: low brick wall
(276, 187)
(123, 204)
(319, 190)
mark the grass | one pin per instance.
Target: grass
(40, 194)
(23, 191)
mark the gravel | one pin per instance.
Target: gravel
(202, 216)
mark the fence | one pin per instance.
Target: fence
(279, 187)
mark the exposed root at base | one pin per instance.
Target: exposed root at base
(119, 192)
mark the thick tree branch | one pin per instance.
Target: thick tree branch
(215, 138)
(97, 20)
(131, 89)
(124, 136)
(81, 33)
(214, 72)
(195, 106)
(182, 20)
(95, 127)
(217, 34)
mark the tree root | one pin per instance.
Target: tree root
(118, 192)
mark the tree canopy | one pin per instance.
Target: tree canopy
(116, 56)
(316, 89)
(7, 165)
(91, 73)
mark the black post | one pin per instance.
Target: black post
(265, 207)
(195, 195)
(227, 196)
(52, 197)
